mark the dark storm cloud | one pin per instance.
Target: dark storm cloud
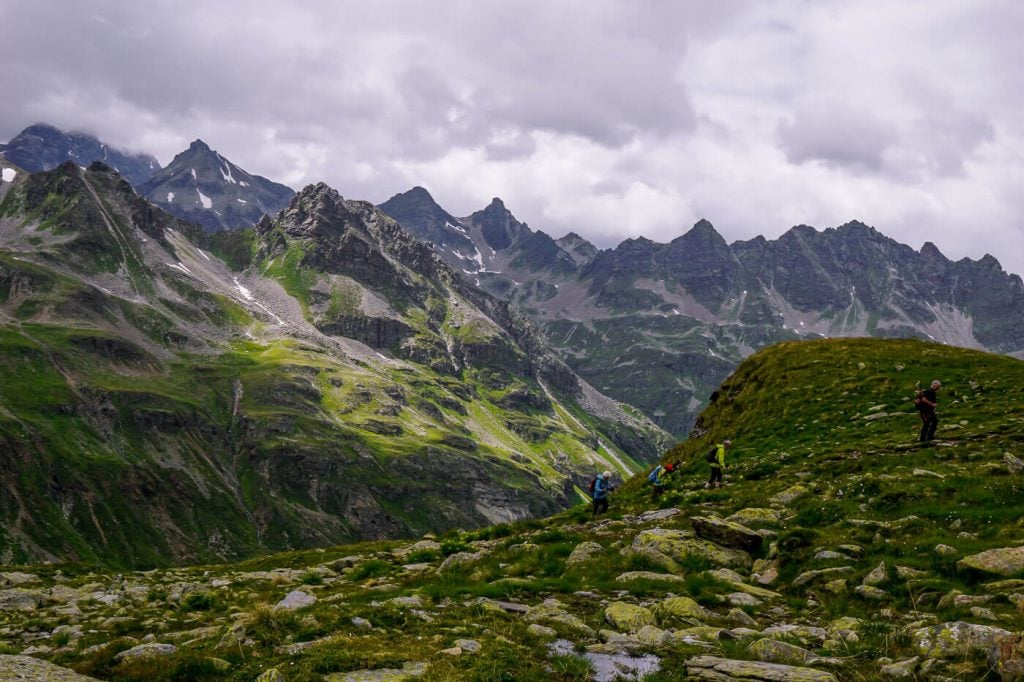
(606, 117)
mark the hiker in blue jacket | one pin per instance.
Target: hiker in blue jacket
(659, 478)
(602, 486)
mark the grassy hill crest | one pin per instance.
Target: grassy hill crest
(840, 549)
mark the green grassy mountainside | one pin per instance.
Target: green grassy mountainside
(169, 396)
(839, 549)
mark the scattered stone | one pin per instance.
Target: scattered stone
(724, 669)
(362, 623)
(679, 545)
(805, 633)
(742, 599)
(945, 550)
(676, 608)
(296, 599)
(16, 668)
(871, 593)
(552, 610)
(470, 646)
(652, 515)
(459, 559)
(741, 617)
(829, 555)
(147, 650)
(18, 599)
(855, 550)
(649, 575)
(541, 631)
(584, 552)
(628, 617)
(726, 533)
(453, 651)
(808, 577)
(409, 671)
(907, 573)
(16, 579)
(421, 546)
(878, 576)
(789, 496)
(981, 613)
(1003, 561)
(774, 651)
(837, 586)
(900, 670)
(756, 517)
(1014, 464)
(955, 639)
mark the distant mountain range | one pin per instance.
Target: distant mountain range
(659, 326)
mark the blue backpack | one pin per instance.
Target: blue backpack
(653, 476)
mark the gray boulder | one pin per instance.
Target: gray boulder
(726, 533)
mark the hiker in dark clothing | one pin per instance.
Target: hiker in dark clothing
(717, 463)
(929, 419)
(602, 486)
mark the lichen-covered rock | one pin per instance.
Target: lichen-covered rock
(553, 611)
(808, 577)
(955, 639)
(878, 576)
(871, 593)
(775, 651)
(805, 633)
(900, 670)
(756, 517)
(409, 671)
(541, 631)
(649, 575)
(1005, 561)
(627, 617)
(272, 675)
(676, 609)
(789, 496)
(945, 550)
(18, 599)
(680, 545)
(726, 533)
(457, 560)
(723, 669)
(147, 650)
(584, 552)
(417, 547)
(26, 668)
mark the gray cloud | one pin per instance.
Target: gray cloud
(606, 117)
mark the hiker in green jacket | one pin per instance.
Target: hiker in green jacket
(716, 458)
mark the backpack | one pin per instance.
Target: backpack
(919, 403)
(712, 456)
(653, 476)
(593, 482)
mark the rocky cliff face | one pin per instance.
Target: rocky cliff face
(335, 382)
(203, 187)
(43, 147)
(660, 325)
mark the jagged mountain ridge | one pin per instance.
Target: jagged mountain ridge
(203, 187)
(660, 325)
(164, 406)
(42, 147)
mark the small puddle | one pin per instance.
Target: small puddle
(609, 667)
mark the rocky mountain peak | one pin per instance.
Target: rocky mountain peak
(203, 187)
(499, 227)
(42, 147)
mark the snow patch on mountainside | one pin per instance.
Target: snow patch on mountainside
(204, 200)
(8, 174)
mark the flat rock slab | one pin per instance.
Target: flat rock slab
(956, 639)
(1005, 561)
(26, 668)
(724, 669)
(296, 599)
(678, 546)
(409, 671)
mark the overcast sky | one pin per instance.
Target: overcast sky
(611, 119)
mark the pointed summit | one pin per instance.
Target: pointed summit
(203, 187)
(417, 212)
(498, 226)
